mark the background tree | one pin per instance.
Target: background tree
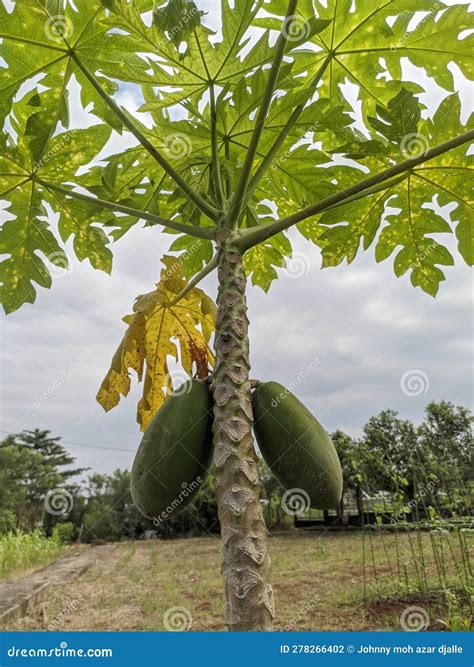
(57, 456)
(271, 496)
(19, 507)
(420, 467)
(32, 466)
(393, 447)
(355, 460)
(446, 440)
(52, 475)
(109, 513)
(252, 152)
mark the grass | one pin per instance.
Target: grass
(346, 581)
(22, 551)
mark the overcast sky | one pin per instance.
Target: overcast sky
(353, 340)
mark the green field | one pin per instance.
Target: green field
(22, 551)
(323, 581)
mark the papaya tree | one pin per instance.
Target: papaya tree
(249, 129)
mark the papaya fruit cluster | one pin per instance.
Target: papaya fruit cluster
(175, 453)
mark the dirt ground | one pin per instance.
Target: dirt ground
(158, 585)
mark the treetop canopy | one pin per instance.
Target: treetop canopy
(202, 91)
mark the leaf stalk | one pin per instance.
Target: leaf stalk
(251, 237)
(199, 232)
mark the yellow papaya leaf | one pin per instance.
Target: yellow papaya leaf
(158, 328)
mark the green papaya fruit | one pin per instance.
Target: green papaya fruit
(174, 456)
(295, 446)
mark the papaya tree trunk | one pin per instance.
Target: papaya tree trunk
(248, 594)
